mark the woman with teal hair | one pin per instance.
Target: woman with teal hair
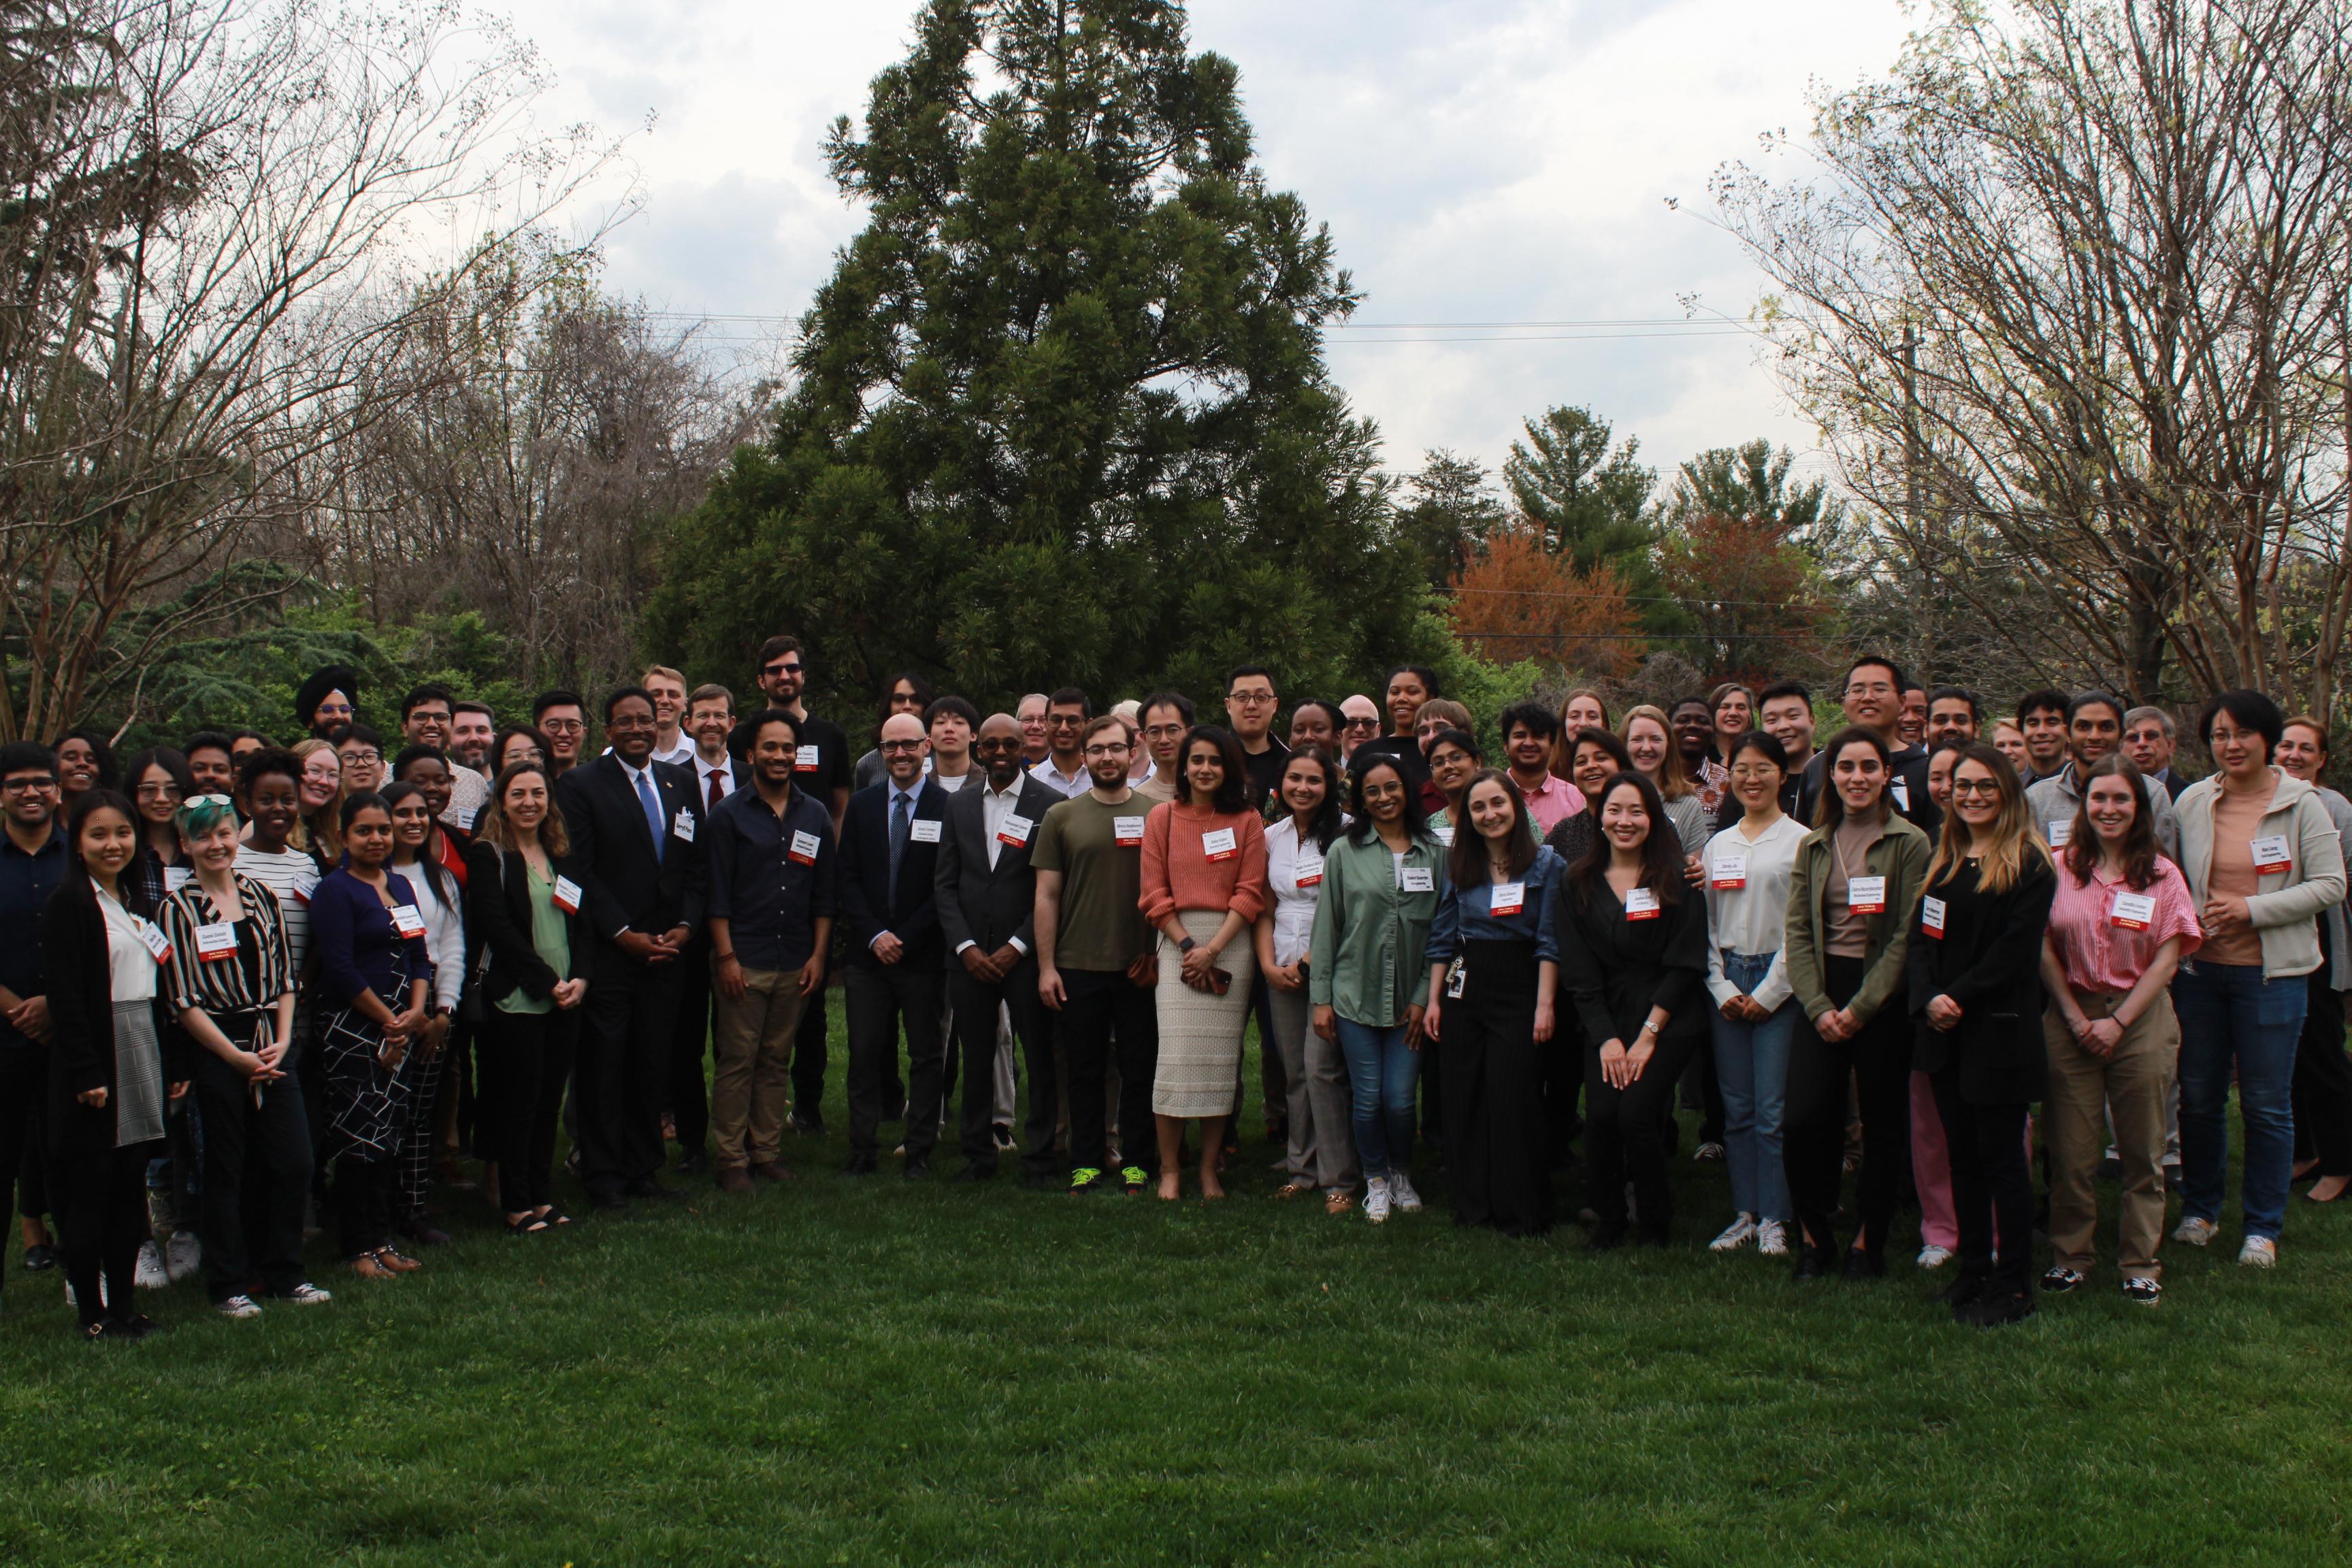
(229, 981)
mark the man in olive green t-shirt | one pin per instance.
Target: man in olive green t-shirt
(1096, 963)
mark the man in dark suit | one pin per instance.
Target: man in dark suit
(889, 852)
(637, 824)
(987, 903)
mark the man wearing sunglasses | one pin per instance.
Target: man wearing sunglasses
(1359, 724)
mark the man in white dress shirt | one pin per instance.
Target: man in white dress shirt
(1064, 771)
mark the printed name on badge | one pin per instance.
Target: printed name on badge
(1728, 871)
(1015, 831)
(1931, 917)
(1127, 831)
(176, 878)
(407, 921)
(1443, 832)
(2272, 855)
(1641, 903)
(1419, 880)
(1309, 872)
(2133, 911)
(803, 848)
(156, 941)
(1866, 895)
(215, 942)
(804, 761)
(1220, 845)
(924, 830)
(567, 895)
(684, 827)
(2062, 832)
(1509, 899)
(465, 817)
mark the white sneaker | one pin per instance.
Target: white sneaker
(1772, 1239)
(2195, 1232)
(2259, 1252)
(308, 1295)
(151, 1275)
(1401, 1192)
(183, 1255)
(1376, 1200)
(1735, 1235)
(238, 1307)
(1934, 1256)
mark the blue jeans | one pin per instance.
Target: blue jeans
(1751, 1064)
(2230, 1014)
(1382, 1071)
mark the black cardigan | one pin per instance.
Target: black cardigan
(1989, 960)
(1612, 971)
(498, 918)
(81, 1015)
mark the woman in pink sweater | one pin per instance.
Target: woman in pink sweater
(1203, 886)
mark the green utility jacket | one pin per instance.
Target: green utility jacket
(1900, 856)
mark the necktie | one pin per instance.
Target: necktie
(897, 840)
(717, 786)
(652, 803)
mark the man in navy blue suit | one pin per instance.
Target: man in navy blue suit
(897, 970)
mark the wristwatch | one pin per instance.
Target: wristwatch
(1187, 945)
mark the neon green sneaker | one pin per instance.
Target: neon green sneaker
(1086, 1179)
(1133, 1175)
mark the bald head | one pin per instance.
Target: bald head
(904, 747)
(999, 747)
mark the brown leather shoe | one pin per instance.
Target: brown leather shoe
(772, 1170)
(735, 1179)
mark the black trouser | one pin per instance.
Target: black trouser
(1562, 1059)
(1812, 1146)
(1623, 1132)
(975, 1026)
(24, 1085)
(1703, 1092)
(102, 1218)
(1099, 1005)
(526, 1058)
(366, 1191)
(1992, 1187)
(879, 1000)
(257, 1174)
(689, 1042)
(623, 1071)
(1497, 1148)
(2320, 1094)
(808, 1062)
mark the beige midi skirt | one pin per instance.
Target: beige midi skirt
(1199, 1033)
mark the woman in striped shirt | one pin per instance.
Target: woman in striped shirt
(230, 982)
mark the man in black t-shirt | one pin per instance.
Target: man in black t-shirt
(1250, 714)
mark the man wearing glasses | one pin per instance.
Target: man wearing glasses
(32, 864)
(1165, 717)
(360, 750)
(1873, 699)
(1250, 712)
(562, 718)
(1064, 771)
(1360, 724)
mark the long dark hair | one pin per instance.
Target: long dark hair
(444, 887)
(1471, 857)
(1361, 828)
(1829, 808)
(1662, 851)
(1233, 791)
(1323, 827)
(131, 887)
(101, 752)
(2139, 840)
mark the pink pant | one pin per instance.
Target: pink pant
(1931, 1169)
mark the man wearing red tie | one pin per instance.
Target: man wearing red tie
(710, 718)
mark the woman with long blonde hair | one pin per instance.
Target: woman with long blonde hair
(1976, 980)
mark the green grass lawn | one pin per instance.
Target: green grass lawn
(863, 1371)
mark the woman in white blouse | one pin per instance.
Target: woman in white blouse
(441, 900)
(1306, 818)
(1748, 873)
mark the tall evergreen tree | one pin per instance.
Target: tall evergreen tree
(1585, 497)
(1061, 411)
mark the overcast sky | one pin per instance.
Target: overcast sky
(1477, 161)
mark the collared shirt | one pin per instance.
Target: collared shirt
(678, 755)
(728, 782)
(468, 792)
(256, 972)
(914, 798)
(1287, 858)
(1467, 914)
(26, 883)
(770, 901)
(645, 773)
(1547, 805)
(2054, 801)
(1069, 786)
(2100, 955)
(995, 805)
(1753, 920)
(1369, 957)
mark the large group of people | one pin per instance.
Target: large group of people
(251, 994)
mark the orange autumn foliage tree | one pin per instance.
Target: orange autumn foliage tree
(1753, 596)
(1517, 600)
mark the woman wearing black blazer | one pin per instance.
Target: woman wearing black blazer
(524, 892)
(1632, 962)
(111, 1070)
(1976, 995)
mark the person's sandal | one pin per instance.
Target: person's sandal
(399, 1262)
(1338, 1203)
(526, 1224)
(1294, 1189)
(366, 1266)
(555, 1217)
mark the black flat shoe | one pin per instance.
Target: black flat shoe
(1861, 1264)
(1997, 1311)
(973, 1174)
(1606, 1238)
(919, 1167)
(38, 1257)
(859, 1165)
(1812, 1262)
(646, 1187)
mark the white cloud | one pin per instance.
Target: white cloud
(1477, 161)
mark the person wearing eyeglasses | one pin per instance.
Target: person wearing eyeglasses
(159, 782)
(1068, 712)
(320, 834)
(1872, 695)
(360, 751)
(909, 693)
(1164, 718)
(1360, 725)
(1250, 712)
(562, 718)
(328, 700)
(32, 862)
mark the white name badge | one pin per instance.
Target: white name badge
(1220, 845)
(2133, 911)
(178, 877)
(1728, 871)
(1866, 895)
(465, 815)
(924, 830)
(1901, 789)
(216, 942)
(305, 882)
(682, 826)
(566, 896)
(1419, 880)
(1443, 832)
(156, 943)
(803, 848)
(407, 920)
(2062, 832)
(1310, 873)
(1127, 831)
(1509, 899)
(1015, 831)
(1931, 917)
(1457, 982)
(2272, 855)
(1641, 903)
(804, 761)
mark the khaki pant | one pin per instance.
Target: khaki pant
(752, 1042)
(2132, 1084)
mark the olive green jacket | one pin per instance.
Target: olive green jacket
(1901, 855)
